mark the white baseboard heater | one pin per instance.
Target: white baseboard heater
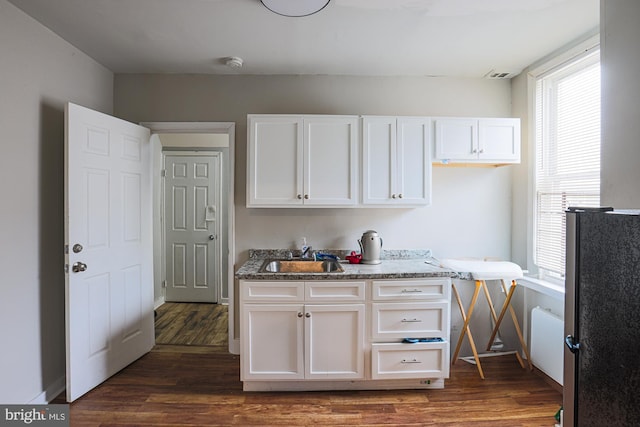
(547, 343)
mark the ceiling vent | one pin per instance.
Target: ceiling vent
(498, 75)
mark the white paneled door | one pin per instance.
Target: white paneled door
(192, 227)
(108, 236)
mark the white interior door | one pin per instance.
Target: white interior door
(192, 227)
(108, 233)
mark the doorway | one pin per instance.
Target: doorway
(174, 138)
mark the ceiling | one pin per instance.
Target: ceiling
(461, 38)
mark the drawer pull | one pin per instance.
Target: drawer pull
(410, 361)
(411, 291)
(411, 320)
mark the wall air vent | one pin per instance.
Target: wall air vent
(493, 74)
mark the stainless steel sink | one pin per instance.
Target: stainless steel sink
(301, 266)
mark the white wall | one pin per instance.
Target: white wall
(620, 59)
(470, 214)
(39, 72)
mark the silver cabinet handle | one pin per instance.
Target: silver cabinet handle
(299, 314)
(306, 196)
(411, 291)
(400, 196)
(410, 361)
(393, 196)
(212, 236)
(79, 267)
(307, 315)
(299, 196)
(414, 320)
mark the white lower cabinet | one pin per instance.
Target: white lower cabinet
(303, 340)
(414, 309)
(321, 335)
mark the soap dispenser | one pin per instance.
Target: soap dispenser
(304, 249)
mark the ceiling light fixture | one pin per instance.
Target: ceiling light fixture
(295, 8)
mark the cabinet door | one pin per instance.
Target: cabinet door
(334, 344)
(275, 161)
(456, 139)
(330, 160)
(499, 140)
(271, 341)
(378, 159)
(413, 185)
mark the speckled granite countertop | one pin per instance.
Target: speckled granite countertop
(395, 265)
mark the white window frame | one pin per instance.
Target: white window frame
(546, 66)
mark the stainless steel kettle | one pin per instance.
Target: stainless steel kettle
(371, 247)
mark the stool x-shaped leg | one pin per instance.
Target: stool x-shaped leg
(498, 319)
(466, 317)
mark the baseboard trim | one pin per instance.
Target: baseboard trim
(554, 385)
(234, 346)
(51, 392)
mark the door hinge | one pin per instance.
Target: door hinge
(66, 249)
(163, 173)
(66, 268)
(164, 283)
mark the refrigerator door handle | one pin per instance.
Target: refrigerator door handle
(572, 345)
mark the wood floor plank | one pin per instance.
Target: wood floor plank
(198, 386)
(192, 324)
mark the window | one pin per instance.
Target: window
(567, 170)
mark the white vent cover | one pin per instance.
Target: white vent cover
(497, 75)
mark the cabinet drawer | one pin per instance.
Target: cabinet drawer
(411, 289)
(334, 291)
(424, 360)
(409, 320)
(280, 291)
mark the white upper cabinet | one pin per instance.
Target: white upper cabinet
(396, 162)
(296, 161)
(330, 160)
(473, 140)
(275, 155)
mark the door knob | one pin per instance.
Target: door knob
(78, 267)
(212, 236)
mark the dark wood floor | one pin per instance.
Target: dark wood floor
(197, 386)
(192, 324)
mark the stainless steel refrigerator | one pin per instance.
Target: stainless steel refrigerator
(602, 318)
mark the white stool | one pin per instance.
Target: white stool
(481, 271)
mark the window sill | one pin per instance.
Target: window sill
(546, 288)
